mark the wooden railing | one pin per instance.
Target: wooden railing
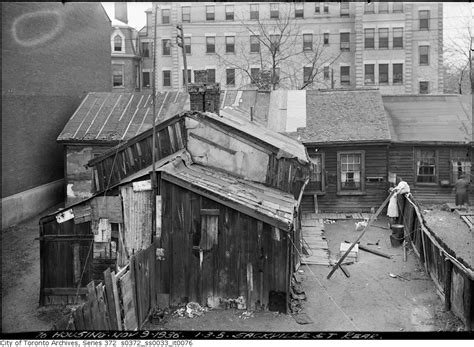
(114, 304)
(452, 277)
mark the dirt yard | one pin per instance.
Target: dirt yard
(369, 300)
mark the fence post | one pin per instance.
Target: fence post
(109, 292)
(447, 284)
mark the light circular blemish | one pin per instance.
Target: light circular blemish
(35, 28)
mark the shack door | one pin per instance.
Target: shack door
(65, 260)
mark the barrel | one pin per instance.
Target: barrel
(397, 230)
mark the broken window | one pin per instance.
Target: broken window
(426, 166)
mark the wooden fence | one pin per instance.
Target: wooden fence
(122, 301)
(452, 277)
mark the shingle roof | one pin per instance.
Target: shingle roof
(344, 116)
(430, 118)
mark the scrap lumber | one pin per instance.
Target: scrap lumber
(370, 250)
(371, 220)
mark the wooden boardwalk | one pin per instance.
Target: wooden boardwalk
(314, 242)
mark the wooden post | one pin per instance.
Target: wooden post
(423, 243)
(109, 292)
(447, 284)
(467, 303)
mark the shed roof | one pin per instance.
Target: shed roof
(113, 117)
(430, 118)
(344, 116)
(267, 204)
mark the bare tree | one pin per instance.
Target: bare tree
(276, 46)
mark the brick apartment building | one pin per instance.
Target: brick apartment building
(396, 47)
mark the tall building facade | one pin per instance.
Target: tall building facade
(396, 47)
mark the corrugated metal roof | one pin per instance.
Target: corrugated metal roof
(113, 117)
(344, 116)
(430, 118)
(246, 196)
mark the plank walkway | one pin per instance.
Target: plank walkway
(336, 216)
(314, 240)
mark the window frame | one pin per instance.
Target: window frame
(454, 155)
(305, 69)
(149, 79)
(122, 75)
(187, 44)
(393, 74)
(344, 10)
(227, 77)
(383, 39)
(120, 40)
(427, 87)
(326, 73)
(254, 15)
(299, 10)
(422, 61)
(190, 75)
(188, 20)
(255, 44)
(229, 14)
(418, 152)
(311, 189)
(317, 8)
(425, 21)
(387, 74)
(210, 15)
(341, 82)
(369, 7)
(397, 10)
(326, 36)
(361, 190)
(396, 39)
(163, 16)
(383, 3)
(366, 74)
(368, 39)
(163, 47)
(275, 11)
(213, 45)
(143, 50)
(308, 46)
(165, 78)
(345, 45)
(230, 47)
(326, 7)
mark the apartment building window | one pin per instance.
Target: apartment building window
(117, 75)
(326, 7)
(369, 74)
(316, 182)
(275, 42)
(317, 8)
(425, 165)
(229, 12)
(397, 37)
(369, 38)
(254, 44)
(326, 72)
(186, 14)
(254, 12)
(345, 41)
(397, 73)
(230, 77)
(369, 7)
(344, 9)
(350, 167)
(146, 79)
(383, 73)
(254, 74)
(326, 39)
(307, 74)
(299, 10)
(166, 46)
(460, 164)
(424, 55)
(118, 43)
(383, 7)
(424, 19)
(210, 44)
(145, 49)
(397, 7)
(424, 87)
(210, 13)
(383, 38)
(307, 42)
(189, 75)
(274, 11)
(211, 75)
(345, 75)
(187, 45)
(230, 44)
(166, 78)
(165, 16)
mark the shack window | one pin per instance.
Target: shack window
(425, 166)
(350, 171)
(209, 229)
(460, 165)
(316, 181)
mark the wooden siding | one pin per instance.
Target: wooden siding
(374, 192)
(402, 161)
(286, 174)
(249, 260)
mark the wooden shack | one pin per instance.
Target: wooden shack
(227, 208)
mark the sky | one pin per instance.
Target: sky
(136, 13)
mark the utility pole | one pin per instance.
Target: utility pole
(181, 43)
(332, 78)
(154, 183)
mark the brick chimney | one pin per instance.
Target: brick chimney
(121, 12)
(204, 96)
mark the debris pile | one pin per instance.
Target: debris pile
(159, 315)
(191, 310)
(246, 315)
(297, 295)
(238, 303)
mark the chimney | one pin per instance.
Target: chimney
(204, 96)
(121, 12)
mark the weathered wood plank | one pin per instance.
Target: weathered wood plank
(109, 292)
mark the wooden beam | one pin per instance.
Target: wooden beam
(65, 291)
(447, 284)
